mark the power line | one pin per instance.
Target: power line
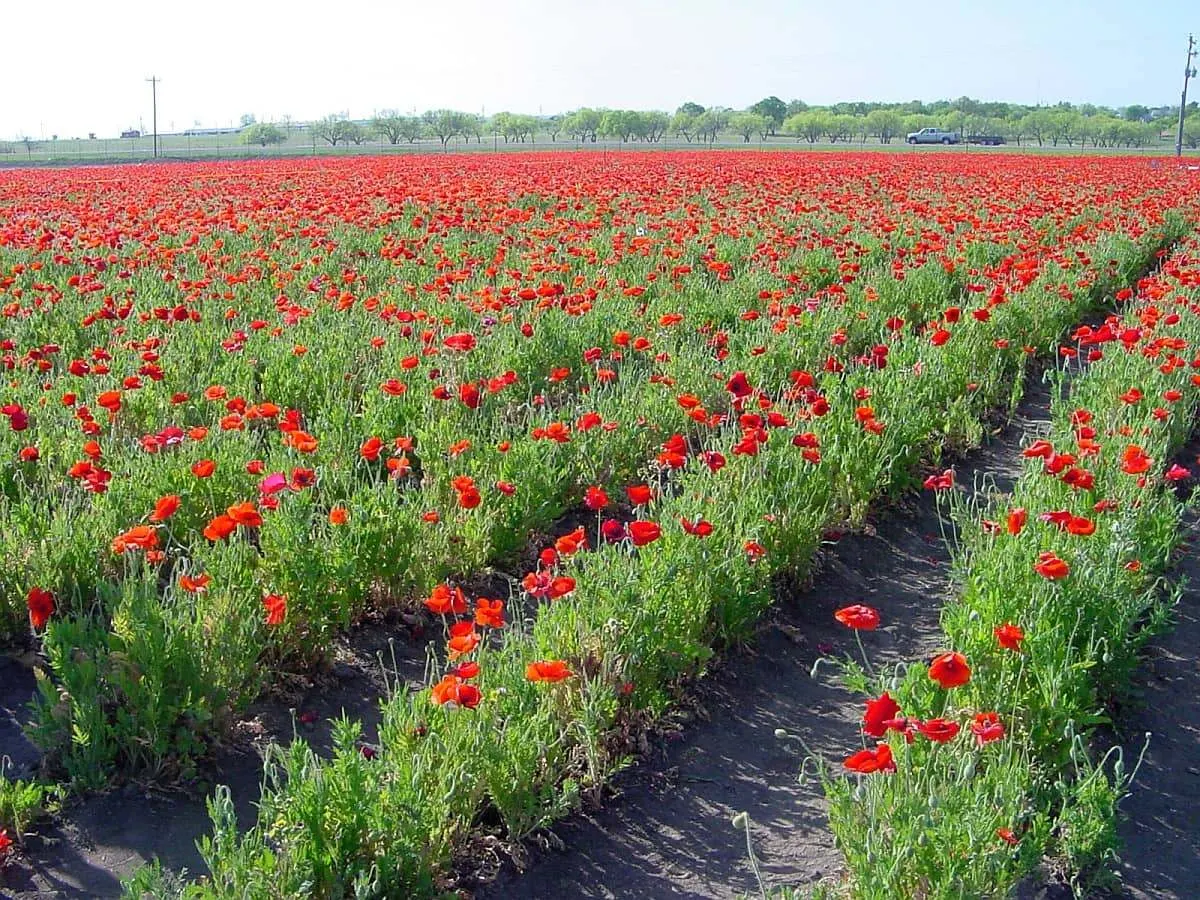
(154, 80)
(1188, 72)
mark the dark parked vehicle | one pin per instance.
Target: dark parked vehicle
(991, 140)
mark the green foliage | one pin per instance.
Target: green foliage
(263, 134)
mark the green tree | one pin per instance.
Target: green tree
(1064, 126)
(473, 125)
(692, 109)
(685, 123)
(750, 123)
(1037, 124)
(710, 123)
(774, 109)
(583, 124)
(263, 133)
(810, 125)
(885, 124)
(443, 124)
(356, 134)
(389, 124)
(656, 122)
(840, 128)
(1191, 131)
(332, 129)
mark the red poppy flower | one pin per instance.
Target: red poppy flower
(204, 468)
(1039, 448)
(220, 528)
(548, 671)
(445, 599)
(699, 528)
(197, 584)
(938, 730)
(1134, 460)
(1051, 567)
(858, 617)
(595, 499)
(451, 692)
(371, 449)
(165, 508)
(638, 494)
(864, 762)
(987, 727)
(878, 713)
(338, 515)
(489, 613)
(463, 639)
(1009, 636)
(41, 605)
(139, 537)
(612, 530)
(950, 670)
(276, 608)
(1080, 526)
(642, 532)
(245, 513)
(1016, 520)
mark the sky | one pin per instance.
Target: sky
(77, 66)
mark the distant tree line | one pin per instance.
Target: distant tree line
(1061, 125)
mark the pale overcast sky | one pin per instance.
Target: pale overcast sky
(76, 66)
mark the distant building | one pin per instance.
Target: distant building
(200, 132)
(131, 133)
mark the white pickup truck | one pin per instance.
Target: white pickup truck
(933, 136)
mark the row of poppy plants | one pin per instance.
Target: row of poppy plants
(979, 767)
(516, 723)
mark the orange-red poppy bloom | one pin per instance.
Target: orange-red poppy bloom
(220, 528)
(1051, 567)
(445, 599)
(245, 513)
(858, 617)
(165, 508)
(547, 670)
(452, 692)
(276, 608)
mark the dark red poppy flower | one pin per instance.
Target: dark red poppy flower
(950, 670)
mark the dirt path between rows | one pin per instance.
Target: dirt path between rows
(669, 832)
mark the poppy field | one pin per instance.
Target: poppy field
(577, 418)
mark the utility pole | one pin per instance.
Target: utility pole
(153, 79)
(1188, 72)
